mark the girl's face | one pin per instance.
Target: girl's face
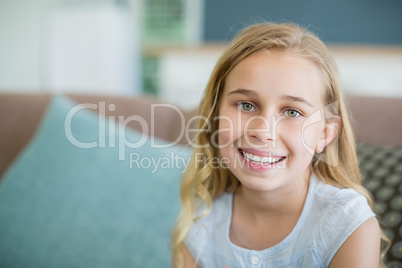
(269, 124)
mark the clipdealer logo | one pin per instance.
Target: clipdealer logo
(112, 131)
(119, 133)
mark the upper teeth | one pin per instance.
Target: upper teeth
(259, 159)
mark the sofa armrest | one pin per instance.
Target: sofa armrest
(20, 116)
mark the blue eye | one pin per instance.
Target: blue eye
(247, 106)
(292, 113)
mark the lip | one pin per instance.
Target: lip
(257, 167)
(261, 153)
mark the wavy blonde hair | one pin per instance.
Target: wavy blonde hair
(202, 183)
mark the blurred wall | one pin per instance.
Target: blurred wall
(87, 46)
(20, 43)
(365, 37)
(340, 21)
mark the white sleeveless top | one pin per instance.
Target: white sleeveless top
(329, 217)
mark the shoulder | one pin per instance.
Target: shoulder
(212, 225)
(219, 208)
(331, 199)
(361, 248)
(337, 213)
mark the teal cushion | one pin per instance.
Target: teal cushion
(66, 206)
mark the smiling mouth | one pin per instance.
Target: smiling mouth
(261, 160)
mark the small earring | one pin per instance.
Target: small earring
(319, 149)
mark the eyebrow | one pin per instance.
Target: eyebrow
(252, 93)
(297, 99)
(247, 92)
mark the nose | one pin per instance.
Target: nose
(262, 129)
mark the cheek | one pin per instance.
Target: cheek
(229, 129)
(292, 135)
(299, 138)
(225, 138)
(309, 138)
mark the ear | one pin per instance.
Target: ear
(328, 134)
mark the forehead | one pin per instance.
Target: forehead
(274, 72)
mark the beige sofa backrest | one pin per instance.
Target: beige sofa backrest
(376, 120)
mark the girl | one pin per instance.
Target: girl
(274, 179)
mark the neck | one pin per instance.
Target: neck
(287, 200)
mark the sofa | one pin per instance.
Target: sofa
(93, 181)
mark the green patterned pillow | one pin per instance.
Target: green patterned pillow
(381, 170)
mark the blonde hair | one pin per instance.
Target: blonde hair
(202, 183)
